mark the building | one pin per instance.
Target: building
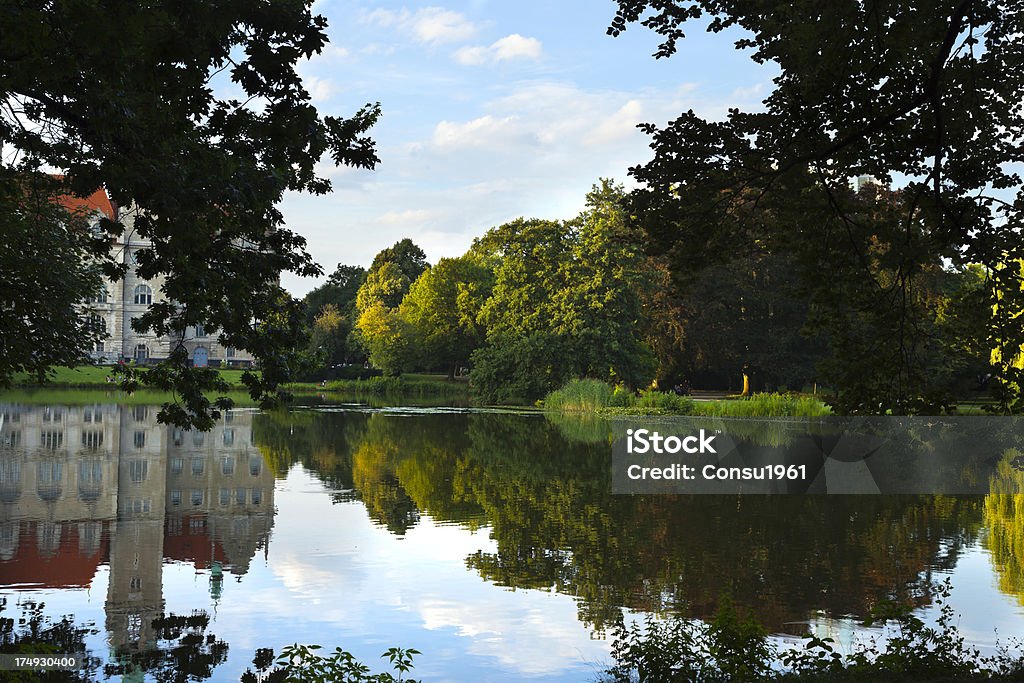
(118, 303)
(83, 487)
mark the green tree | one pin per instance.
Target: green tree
(331, 313)
(925, 93)
(443, 305)
(340, 289)
(409, 258)
(46, 275)
(568, 300)
(129, 105)
(386, 285)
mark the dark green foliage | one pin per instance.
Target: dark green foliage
(331, 315)
(409, 258)
(514, 369)
(923, 93)
(127, 105)
(569, 300)
(183, 651)
(303, 664)
(732, 647)
(45, 277)
(32, 633)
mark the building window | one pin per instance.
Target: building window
(255, 465)
(200, 331)
(100, 297)
(144, 294)
(94, 415)
(92, 439)
(140, 413)
(135, 585)
(140, 439)
(177, 464)
(197, 467)
(11, 440)
(175, 497)
(52, 415)
(240, 496)
(137, 470)
(97, 326)
(229, 437)
(225, 496)
(197, 497)
(52, 440)
(229, 352)
(141, 353)
(198, 438)
(257, 496)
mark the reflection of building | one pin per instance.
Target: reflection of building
(118, 303)
(80, 487)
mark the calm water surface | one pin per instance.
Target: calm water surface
(487, 540)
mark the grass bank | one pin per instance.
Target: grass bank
(408, 385)
(596, 397)
(95, 376)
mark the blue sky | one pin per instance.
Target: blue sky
(491, 111)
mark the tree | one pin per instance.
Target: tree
(409, 258)
(568, 301)
(129, 105)
(41, 321)
(443, 305)
(387, 337)
(926, 93)
(331, 313)
(340, 289)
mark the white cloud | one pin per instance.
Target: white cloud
(532, 149)
(510, 47)
(486, 130)
(320, 89)
(405, 218)
(430, 25)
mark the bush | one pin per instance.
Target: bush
(303, 664)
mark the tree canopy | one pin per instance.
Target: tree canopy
(122, 95)
(923, 96)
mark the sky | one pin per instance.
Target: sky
(493, 110)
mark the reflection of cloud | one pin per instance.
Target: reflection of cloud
(543, 639)
(510, 47)
(430, 25)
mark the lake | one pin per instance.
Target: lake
(488, 540)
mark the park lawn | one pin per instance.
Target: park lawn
(96, 376)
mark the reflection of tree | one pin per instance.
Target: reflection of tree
(39, 635)
(183, 651)
(1004, 519)
(320, 442)
(557, 526)
(374, 476)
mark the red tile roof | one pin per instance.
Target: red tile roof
(97, 201)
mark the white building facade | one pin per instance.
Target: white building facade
(119, 302)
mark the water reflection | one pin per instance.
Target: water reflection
(82, 487)
(543, 488)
